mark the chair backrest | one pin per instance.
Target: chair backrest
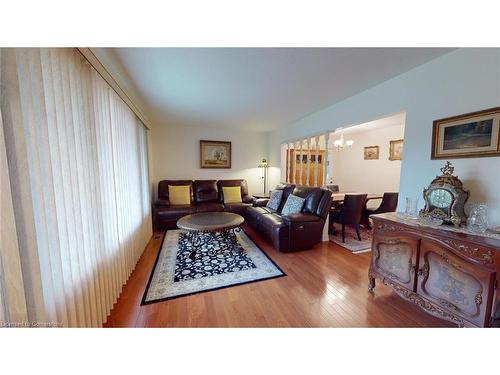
(205, 191)
(163, 187)
(389, 203)
(333, 188)
(352, 208)
(228, 183)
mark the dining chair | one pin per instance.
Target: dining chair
(389, 204)
(350, 213)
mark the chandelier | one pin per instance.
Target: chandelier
(340, 144)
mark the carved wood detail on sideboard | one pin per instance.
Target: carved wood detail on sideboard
(450, 275)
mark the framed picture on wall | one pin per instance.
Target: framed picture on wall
(396, 149)
(475, 134)
(215, 154)
(371, 153)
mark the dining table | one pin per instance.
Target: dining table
(338, 199)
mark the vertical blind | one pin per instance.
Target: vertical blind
(77, 169)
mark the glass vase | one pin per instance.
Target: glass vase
(477, 221)
(411, 207)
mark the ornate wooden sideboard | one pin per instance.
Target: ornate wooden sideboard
(451, 275)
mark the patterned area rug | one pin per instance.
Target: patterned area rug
(218, 263)
(351, 239)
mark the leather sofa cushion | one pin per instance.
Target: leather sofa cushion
(237, 208)
(162, 202)
(273, 227)
(163, 187)
(260, 210)
(260, 202)
(179, 194)
(324, 204)
(205, 191)
(312, 196)
(301, 218)
(253, 214)
(209, 207)
(175, 212)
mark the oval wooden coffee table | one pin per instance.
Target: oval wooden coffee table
(220, 225)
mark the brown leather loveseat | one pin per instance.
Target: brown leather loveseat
(296, 231)
(206, 196)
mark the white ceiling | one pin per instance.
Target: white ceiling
(257, 88)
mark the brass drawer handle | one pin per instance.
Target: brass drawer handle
(424, 271)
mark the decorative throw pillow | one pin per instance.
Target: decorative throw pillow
(275, 199)
(293, 205)
(231, 194)
(179, 194)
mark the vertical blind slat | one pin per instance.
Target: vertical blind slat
(86, 154)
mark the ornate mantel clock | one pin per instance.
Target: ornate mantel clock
(445, 198)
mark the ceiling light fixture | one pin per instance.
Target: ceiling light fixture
(340, 144)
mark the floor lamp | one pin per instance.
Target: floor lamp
(264, 165)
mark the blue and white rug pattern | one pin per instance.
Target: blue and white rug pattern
(217, 265)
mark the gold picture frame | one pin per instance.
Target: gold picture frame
(396, 149)
(371, 153)
(475, 134)
(215, 154)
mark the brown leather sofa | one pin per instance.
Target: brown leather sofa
(206, 196)
(297, 231)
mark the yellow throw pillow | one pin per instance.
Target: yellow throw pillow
(179, 194)
(232, 194)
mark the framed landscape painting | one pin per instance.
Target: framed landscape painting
(215, 154)
(396, 150)
(371, 153)
(474, 134)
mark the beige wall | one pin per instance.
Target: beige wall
(352, 173)
(175, 154)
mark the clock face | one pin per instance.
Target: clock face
(440, 198)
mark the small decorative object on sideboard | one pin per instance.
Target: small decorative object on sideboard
(411, 207)
(477, 221)
(445, 198)
(430, 220)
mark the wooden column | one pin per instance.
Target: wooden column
(308, 160)
(316, 163)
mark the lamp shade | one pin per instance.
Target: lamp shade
(263, 164)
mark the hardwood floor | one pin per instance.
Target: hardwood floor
(324, 287)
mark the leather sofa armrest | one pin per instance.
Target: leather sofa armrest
(260, 202)
(301, 218)
(248, 199)
(162, 203)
